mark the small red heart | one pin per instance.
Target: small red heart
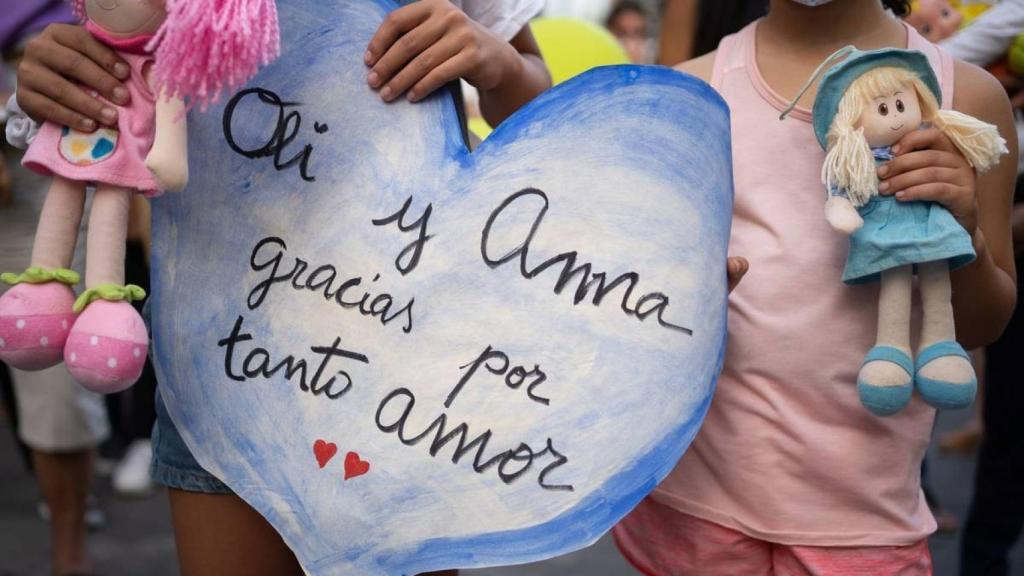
(354, 466)
(324, 451)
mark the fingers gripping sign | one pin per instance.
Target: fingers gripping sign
(423, 46)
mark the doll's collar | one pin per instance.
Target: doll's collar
(132, 44)
(883, 153)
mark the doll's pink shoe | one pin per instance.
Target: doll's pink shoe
(35, 319)
(107, 346)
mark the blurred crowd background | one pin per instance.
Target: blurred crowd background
(104, 449)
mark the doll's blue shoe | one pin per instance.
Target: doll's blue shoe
(940, 393)
(887, 400)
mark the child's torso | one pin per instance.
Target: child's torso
(787, 452)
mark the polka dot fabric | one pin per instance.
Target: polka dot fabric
(35, 324)
(106, 349)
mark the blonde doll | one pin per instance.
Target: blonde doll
(864, 105)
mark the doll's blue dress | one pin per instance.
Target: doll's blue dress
(899, 233)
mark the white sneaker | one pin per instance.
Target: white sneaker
(131, 477)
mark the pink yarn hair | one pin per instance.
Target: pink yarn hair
(208, 46)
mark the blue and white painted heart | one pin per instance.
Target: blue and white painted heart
(511, 346)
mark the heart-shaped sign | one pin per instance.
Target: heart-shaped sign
(511, 346)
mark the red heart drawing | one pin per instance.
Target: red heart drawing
(324, 451)
(354, 466)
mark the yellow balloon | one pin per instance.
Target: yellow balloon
(570, 47)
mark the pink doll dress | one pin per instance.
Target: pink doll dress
(113, 155)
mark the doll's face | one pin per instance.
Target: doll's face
(936, 20)
(126, 17)
(890, 117)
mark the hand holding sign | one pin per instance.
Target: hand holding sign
(409, 357)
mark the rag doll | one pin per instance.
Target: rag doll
(936, 20)
(865, 104)
(180, 53)
(939, 20)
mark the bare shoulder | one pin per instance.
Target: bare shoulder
(701, 67)
(980, 94)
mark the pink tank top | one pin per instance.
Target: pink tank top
(787, 453)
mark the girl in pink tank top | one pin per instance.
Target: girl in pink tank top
(790, 474)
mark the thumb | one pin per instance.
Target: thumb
(736, 268)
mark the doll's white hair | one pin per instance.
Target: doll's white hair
(849, 162)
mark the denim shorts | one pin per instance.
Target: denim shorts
(173, 464)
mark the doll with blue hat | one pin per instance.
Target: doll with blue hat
(865, 104)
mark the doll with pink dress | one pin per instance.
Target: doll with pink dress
(180, 53)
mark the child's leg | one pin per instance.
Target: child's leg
(221, 535)
(64, 481)
(108, 231)
(58, 224)
(938, 325)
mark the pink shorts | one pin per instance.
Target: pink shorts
(660, 541)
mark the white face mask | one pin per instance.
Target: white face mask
(812, 3)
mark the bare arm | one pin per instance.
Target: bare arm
(984, 293)
(526, 77)
(424, 45)
(678, 31)
(1018, 229)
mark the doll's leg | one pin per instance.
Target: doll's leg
(945, 376)
(36, 313)
(57, 232)
(885, 380)
(108, 233)
(107, 346)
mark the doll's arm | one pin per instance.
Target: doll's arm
(168, 158)
(840, 212)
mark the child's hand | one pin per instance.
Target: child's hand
(928, 166)
(55, 62)
(842, 216)
(424, 45)
(735, 269)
